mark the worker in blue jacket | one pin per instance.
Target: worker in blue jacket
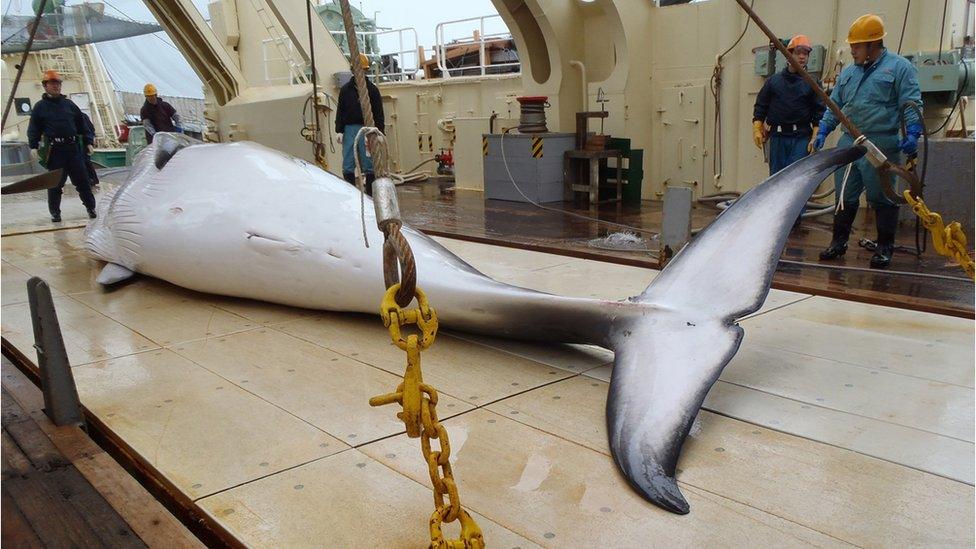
(790, 109)
(62, 125)
(871, 92)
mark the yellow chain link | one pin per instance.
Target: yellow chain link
(949, 241)
(419, 415)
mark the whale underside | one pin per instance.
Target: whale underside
(244, 220)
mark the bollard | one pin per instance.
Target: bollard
(61, 402)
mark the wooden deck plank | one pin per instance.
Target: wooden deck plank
(62, 508)
(147, 517)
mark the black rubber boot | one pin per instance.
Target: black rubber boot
(56, 217)
(91, 213)
(370, 177)
(887, 224)
(842, 231)
(350, 178)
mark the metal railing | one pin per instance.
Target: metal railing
(481, 39)
(398, 67)
(287, 56)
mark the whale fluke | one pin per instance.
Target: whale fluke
(667, 359)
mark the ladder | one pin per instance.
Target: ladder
(296, 65)
(101, 97)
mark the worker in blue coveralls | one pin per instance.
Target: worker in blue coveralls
(787, 111)
(349, 120)
(61, 124)
(871, 92)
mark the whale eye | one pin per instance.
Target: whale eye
(176, 211)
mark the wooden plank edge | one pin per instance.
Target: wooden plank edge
(195, 518)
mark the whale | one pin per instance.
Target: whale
(241, 219)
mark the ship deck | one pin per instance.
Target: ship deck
(837, 423)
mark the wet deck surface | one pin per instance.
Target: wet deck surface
(837, 423)
(439, 209)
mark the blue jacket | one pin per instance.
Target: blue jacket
(57, 117)
(872, 96)
(784, 100)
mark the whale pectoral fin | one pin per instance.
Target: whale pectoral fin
(661, 375)
(668, 358)
(113, 273)
(168, 144)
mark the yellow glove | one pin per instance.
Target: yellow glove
(813, 139)
(758, 133)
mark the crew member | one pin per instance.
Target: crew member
(789, 107)
(349, 120)
(61, 124)
(872, 93)
(157, 115)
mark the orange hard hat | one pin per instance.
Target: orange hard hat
(866, 28)
(51, 74)
(799, 40)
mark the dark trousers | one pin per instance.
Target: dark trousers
(785, 150)
(70, 159)
(350, 177)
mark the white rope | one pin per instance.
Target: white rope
(843, 188)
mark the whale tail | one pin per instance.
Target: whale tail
(664, 368)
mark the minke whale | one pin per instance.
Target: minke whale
(241, 219)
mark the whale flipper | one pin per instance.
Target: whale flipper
(168, 144)
(664, 366)
(113, 273)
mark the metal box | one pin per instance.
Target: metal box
(535, 161)
(768, 61)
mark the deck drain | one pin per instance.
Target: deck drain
(196, 486)
(605, 509)
(360, 465)
(299, 486)
(548, 535)
(263, 464)
(323, 445)
(514, 412)
(720, 449)
(390, 456)
(228, 512)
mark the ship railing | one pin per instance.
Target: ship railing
(403, 62)
(481, 38)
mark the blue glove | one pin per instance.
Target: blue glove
(178, 129)
(819, 142)
(909, 144)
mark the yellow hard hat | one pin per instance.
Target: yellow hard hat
(799, 40)
(866, 28)
(149, 90)
(363, 61)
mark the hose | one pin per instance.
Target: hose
(921, 242)
(876, 271)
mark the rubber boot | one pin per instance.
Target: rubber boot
(887, 224)
(350, 178)
(842, 231)
(370, 177)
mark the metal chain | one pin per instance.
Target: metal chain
(949, 241)
(419, 415)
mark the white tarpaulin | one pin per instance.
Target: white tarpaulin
(134, 61)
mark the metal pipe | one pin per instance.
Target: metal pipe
(582, 69)
(23, 61)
